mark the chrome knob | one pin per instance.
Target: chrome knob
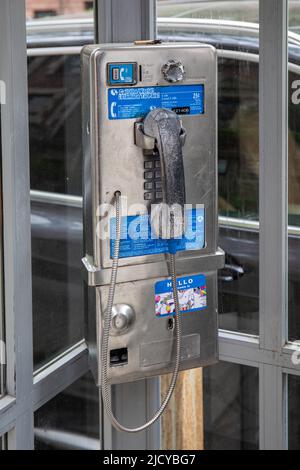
(122, 318)
(173, 71)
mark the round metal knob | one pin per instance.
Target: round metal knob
(122, 318)
(173, 71)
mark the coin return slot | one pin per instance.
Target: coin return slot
(118, 357)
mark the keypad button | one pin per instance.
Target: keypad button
(158, 174)
(157, 164)
(148, 196)
(148, 185)
(158, 195)
(148, 165)
(148, 175)
(158, 184)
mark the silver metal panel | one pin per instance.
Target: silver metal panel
(113, 162)
(151, 332)
(113, 145)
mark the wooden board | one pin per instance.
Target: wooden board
(182, 423)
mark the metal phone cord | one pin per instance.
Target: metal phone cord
(103, 364)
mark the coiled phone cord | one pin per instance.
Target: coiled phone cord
(103, 364)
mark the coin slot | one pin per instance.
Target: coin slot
(118, 357)
(170, 323)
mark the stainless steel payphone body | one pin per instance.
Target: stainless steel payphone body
(122, 83)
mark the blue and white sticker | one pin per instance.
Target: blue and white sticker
(192, 295)
(122, 73)
(137, 238)
(129, 103)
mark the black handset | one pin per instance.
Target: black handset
(164, 126)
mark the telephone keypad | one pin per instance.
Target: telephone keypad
(148, 165)
(152, 180)
(148, 175)
(148, 185)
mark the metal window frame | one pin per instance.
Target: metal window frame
(16, 224)
(271, 353)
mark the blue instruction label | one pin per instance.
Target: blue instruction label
(137, 238)
(191, 295)
(128, 103)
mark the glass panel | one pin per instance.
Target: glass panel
(231, 402)
(213, 408)
(294, 171)
(56, 172)
(294, 412)
(70, 421)
(226, 10)
(238, 72)
(55, 124)
(3, 442)
(2, 332)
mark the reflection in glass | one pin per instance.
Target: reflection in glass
(70, 421)
(56, 172)
(55, 163)
(57, 279)
(3, 442)
(226, 10)
(238, 165)
(294, 171)
(231, 416)
(35, 9)
(294, 412)
(2, 332)
(55, 123)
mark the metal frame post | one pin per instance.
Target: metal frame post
(16, 218)
(273, 115)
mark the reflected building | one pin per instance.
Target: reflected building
(44, 8)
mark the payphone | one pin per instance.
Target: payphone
(150, 199)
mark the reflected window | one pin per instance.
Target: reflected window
(43, 13)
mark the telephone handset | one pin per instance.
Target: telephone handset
(164, 126)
